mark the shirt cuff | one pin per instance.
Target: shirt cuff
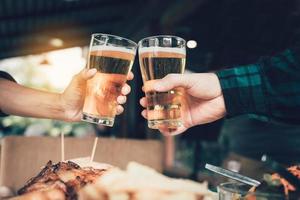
(243, 90)
(6, 76)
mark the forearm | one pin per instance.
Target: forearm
(22, 101)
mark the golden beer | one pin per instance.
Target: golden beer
(113, 65)
(163, 108)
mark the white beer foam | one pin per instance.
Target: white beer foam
(112, 48)
(162, 49)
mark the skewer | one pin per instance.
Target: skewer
(62, 140)
(94, 149)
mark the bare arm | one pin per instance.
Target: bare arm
(23, 101)
(18, 100)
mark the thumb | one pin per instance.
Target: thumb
(172, 81)
(86, 74)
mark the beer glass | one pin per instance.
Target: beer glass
(113, 57)
(158, 57)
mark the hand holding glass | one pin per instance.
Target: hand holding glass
(160, 56)
(113, 57)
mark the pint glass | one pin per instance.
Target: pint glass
(113, 57)
(158, 57)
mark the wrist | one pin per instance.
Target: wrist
(62, 107)
(216, 84)
(219, 94)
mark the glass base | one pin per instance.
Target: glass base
(165, 123)
(105, 121)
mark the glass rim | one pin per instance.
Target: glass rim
(116, 36)
(224, 186)
(156, 36)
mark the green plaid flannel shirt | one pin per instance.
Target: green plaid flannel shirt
(268, 89)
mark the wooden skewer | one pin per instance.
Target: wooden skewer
(94, 149)
(62, 140)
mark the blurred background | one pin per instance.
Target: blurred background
(43, 43)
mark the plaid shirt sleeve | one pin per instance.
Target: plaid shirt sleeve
(7, 76)
(268, 89)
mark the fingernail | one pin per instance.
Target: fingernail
(92, 72)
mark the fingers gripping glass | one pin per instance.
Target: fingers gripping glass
(113, 57)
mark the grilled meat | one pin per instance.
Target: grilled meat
(67, 177)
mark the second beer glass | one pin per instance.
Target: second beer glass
(160, 56)
(113, 57)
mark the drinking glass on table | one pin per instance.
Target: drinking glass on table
(159, 56)
(113, 57)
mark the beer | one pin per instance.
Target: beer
(163, 107)
(112, 64)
